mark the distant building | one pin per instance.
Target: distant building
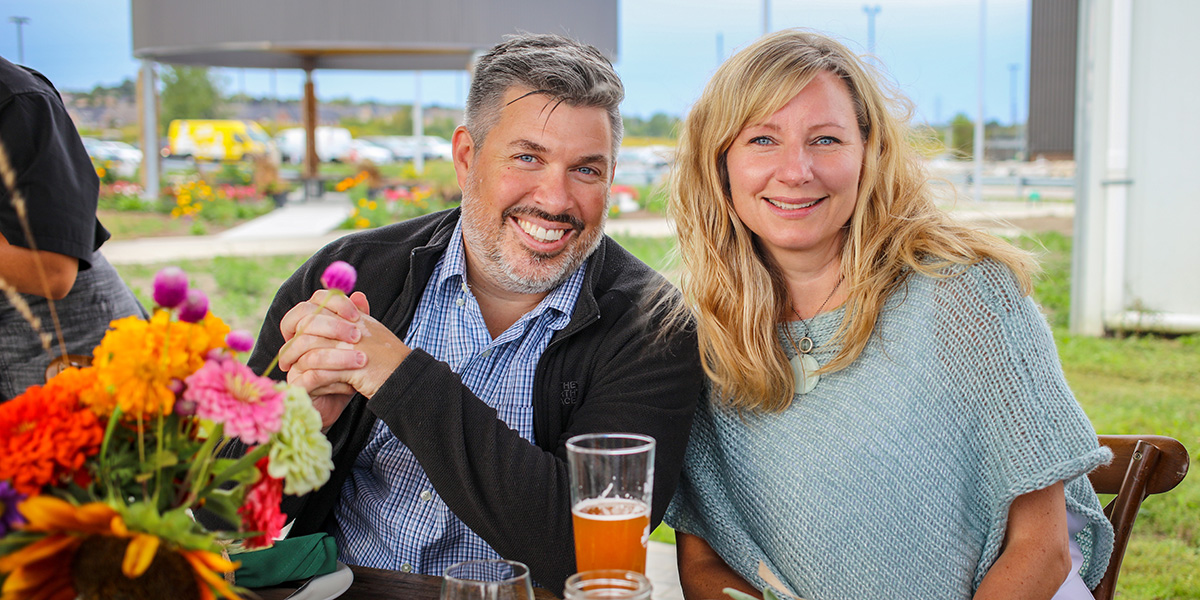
(1052, 48)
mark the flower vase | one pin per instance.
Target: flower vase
(96, 573)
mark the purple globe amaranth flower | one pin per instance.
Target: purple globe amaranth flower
(170, 287)
(185, 408)
(194, 308)
(9, 517)
(340, 276)
(239, 340)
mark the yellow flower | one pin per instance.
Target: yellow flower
(362, 223)
(137, 360)
(43, 569)
(100, 172)
(362, 202)
(372, 205)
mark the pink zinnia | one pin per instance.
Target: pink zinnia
(260, 512)
(226, 391)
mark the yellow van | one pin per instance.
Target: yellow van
(217, 139)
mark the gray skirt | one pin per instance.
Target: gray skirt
(98, 297)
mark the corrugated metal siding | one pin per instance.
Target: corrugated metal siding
(358, 34)
(1053, 34)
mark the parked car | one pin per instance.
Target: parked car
(434, 147)
(332, 143)
(403, 147)
(124, 158)
(217, 139)
(359, 149)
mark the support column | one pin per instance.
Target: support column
(147, 94)
(312, 184)
(418, 126)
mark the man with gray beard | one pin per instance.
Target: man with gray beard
(480, 340)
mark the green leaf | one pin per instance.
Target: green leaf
(738, 595)
(224, 504)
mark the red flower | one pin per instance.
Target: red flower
(260, 512)
(46, 435)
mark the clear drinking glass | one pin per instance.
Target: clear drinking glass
(612, 477)
(487, 580)
(607, 584)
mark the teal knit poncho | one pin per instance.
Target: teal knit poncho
(893, 477)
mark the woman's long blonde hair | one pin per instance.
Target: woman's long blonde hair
(731, 287)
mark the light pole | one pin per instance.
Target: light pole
(20, 40)
(1012, 68)
(978, 146)
(871, 12)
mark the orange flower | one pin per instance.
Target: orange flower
(46, 434)
(43, 569)
(137, 360)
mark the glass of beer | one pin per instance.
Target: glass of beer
(612, 477)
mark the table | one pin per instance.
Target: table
(381, 584)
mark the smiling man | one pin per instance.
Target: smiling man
(481, 340)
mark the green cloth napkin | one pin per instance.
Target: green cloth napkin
(288, 560)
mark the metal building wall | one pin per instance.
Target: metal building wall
(1052, 49)
(355, 34)
(1136, 250)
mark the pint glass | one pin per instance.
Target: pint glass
(612, 476)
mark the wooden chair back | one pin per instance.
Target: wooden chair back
(1141, 465)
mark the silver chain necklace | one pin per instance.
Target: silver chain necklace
(804, 365)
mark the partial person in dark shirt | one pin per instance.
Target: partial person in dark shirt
(54, 175)
(481, 340)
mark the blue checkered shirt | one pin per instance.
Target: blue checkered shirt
(389, 516)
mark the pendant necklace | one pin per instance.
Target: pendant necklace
(804, 366)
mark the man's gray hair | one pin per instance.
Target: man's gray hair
(561, 68)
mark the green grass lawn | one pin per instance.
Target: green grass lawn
(1127, 385)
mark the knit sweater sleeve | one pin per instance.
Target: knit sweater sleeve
(1028, 431)
(703, 504)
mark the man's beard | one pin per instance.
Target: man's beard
(522, 271)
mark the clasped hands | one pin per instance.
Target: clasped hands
(337, 350)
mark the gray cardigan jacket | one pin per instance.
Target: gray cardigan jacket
(606, 371)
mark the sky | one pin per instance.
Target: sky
(667, 51)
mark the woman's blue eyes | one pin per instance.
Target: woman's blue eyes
(825, 140)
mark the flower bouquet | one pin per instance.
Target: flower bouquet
(102, 467)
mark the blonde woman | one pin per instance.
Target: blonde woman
(887, 415)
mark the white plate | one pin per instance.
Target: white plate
(328, 586)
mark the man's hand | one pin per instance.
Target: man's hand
(337, 350)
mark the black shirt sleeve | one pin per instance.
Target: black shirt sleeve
(54, 175)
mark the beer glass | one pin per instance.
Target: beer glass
(607, 584)
(487, 580)
(612, 476)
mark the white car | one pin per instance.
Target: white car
(125, 158)
(124, 152)
(434, 147)
(359, 150)
(403, 147)
(332, 143)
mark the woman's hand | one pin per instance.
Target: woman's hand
(1036, 557)
(702, 571)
